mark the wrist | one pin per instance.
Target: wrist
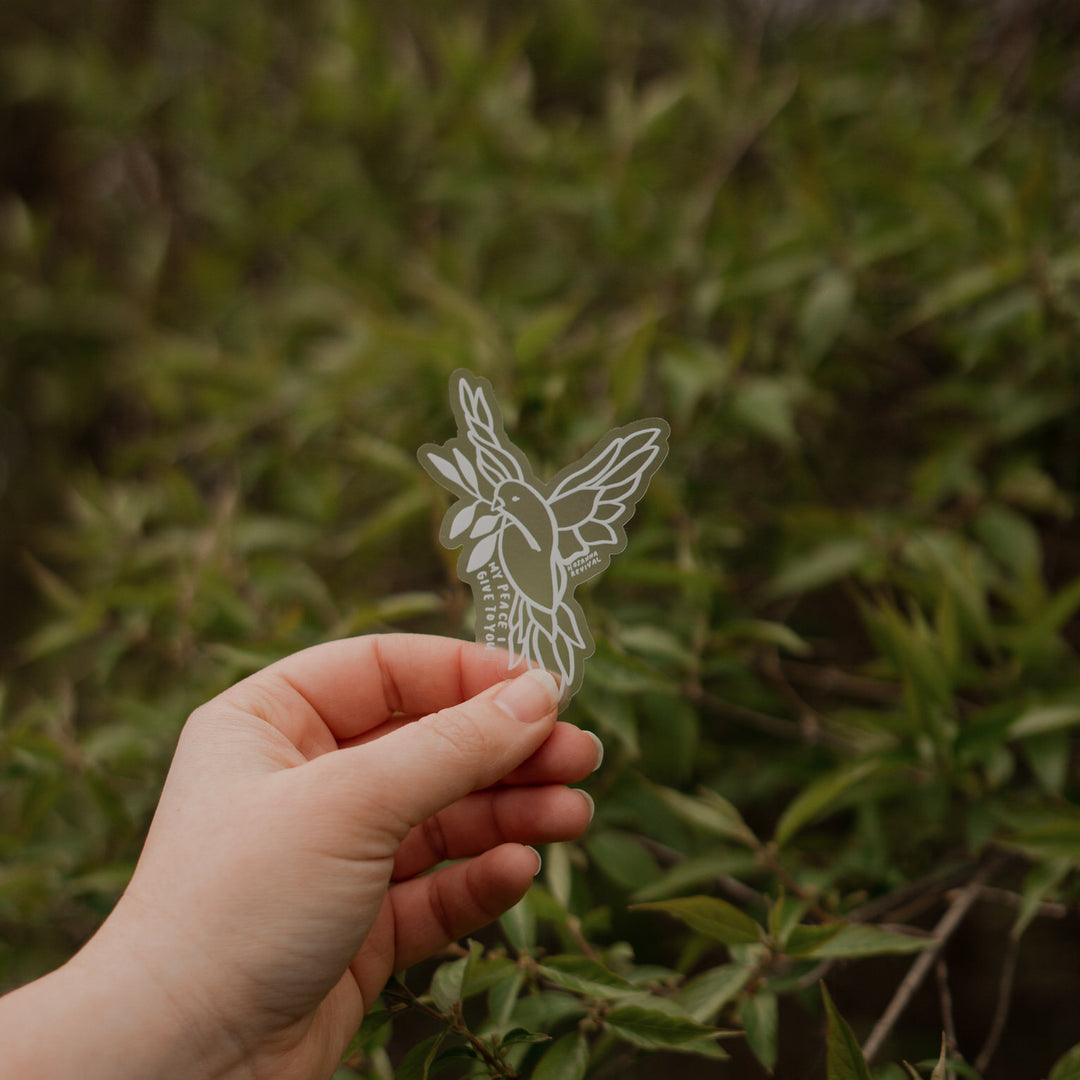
(106, 1016)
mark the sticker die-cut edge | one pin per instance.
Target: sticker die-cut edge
(512, 526)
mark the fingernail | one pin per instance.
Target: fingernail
(599, 749)
(539, 859)
(590, 802)
(530, 696)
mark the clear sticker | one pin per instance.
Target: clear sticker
(526, 544)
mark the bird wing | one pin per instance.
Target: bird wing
(594, 498)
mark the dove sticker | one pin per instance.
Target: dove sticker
(527, 545)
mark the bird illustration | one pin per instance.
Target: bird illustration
(526, 545)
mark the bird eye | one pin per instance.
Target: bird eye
(516, 498)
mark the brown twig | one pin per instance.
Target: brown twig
(773, 670)
(835, 682)
(1004, 1000)
(959, 906)
(668, 856)
(455, 1022)
(925, 891)
(573, 925)
(774, 725)
(948, 1020)
(768, 855)
(1046, 909)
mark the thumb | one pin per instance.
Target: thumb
(422, 767)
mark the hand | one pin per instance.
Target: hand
(284, 876)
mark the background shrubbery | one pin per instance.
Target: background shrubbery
(243, 247)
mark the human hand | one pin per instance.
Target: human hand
(284, 876)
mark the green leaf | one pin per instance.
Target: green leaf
(766, 405)
(705, 995)
(1048, 756)
(613, 715)
(758, 1015)
(844, 1059)
(1011, 539)
(824, 312)
(584, 976)
(519, 926)
(622, 858)
(652, 1029)
(860, 939)
(557, 872)
(771, 633)
(1067, 1067)
(1040, 719)
(566, 1059)
(547, 1009)
(655, 641)
(373, 1026)
(823, 565)
(1036, 635)
(698, 871)
(964, 288)
(523, 1036)
(710, 812)
(1057, 836)
(503, 998)
(821, 796)
(417, 1063)
(716, 919)
(484, 972)
(805, 940)
(447, 982)
(1043, 878)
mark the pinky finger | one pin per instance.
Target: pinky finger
(456, 900)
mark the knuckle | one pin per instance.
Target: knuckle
(463, 730)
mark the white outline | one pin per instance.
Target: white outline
(527, 545)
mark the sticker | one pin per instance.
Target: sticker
(527, 545)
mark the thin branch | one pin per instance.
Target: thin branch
(1004, 1000)
(1045, 909)
(768, 855)
(948, 1019)
(741, 893)
(959, 906)
(835, 682)
(816, 975)
(771, 668)
(573, 925)
(493, 1057)
(774, 725)
(932, 886)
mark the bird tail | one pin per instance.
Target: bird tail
(559, 644)
(549, 639)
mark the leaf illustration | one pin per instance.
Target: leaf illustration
(466, 468)
(481, 553)
(484, 525)
(557, 535)
(462, 519)
(446, 469)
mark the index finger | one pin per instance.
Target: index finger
(356, 683)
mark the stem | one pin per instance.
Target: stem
(946, 927)
(495, 1060)
(1004, 1000)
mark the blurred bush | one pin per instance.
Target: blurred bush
(243, 247)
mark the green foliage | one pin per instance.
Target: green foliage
(241, 249)
(846, 1061)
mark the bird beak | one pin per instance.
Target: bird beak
(497, 503)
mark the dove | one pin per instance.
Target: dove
(526, 544)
